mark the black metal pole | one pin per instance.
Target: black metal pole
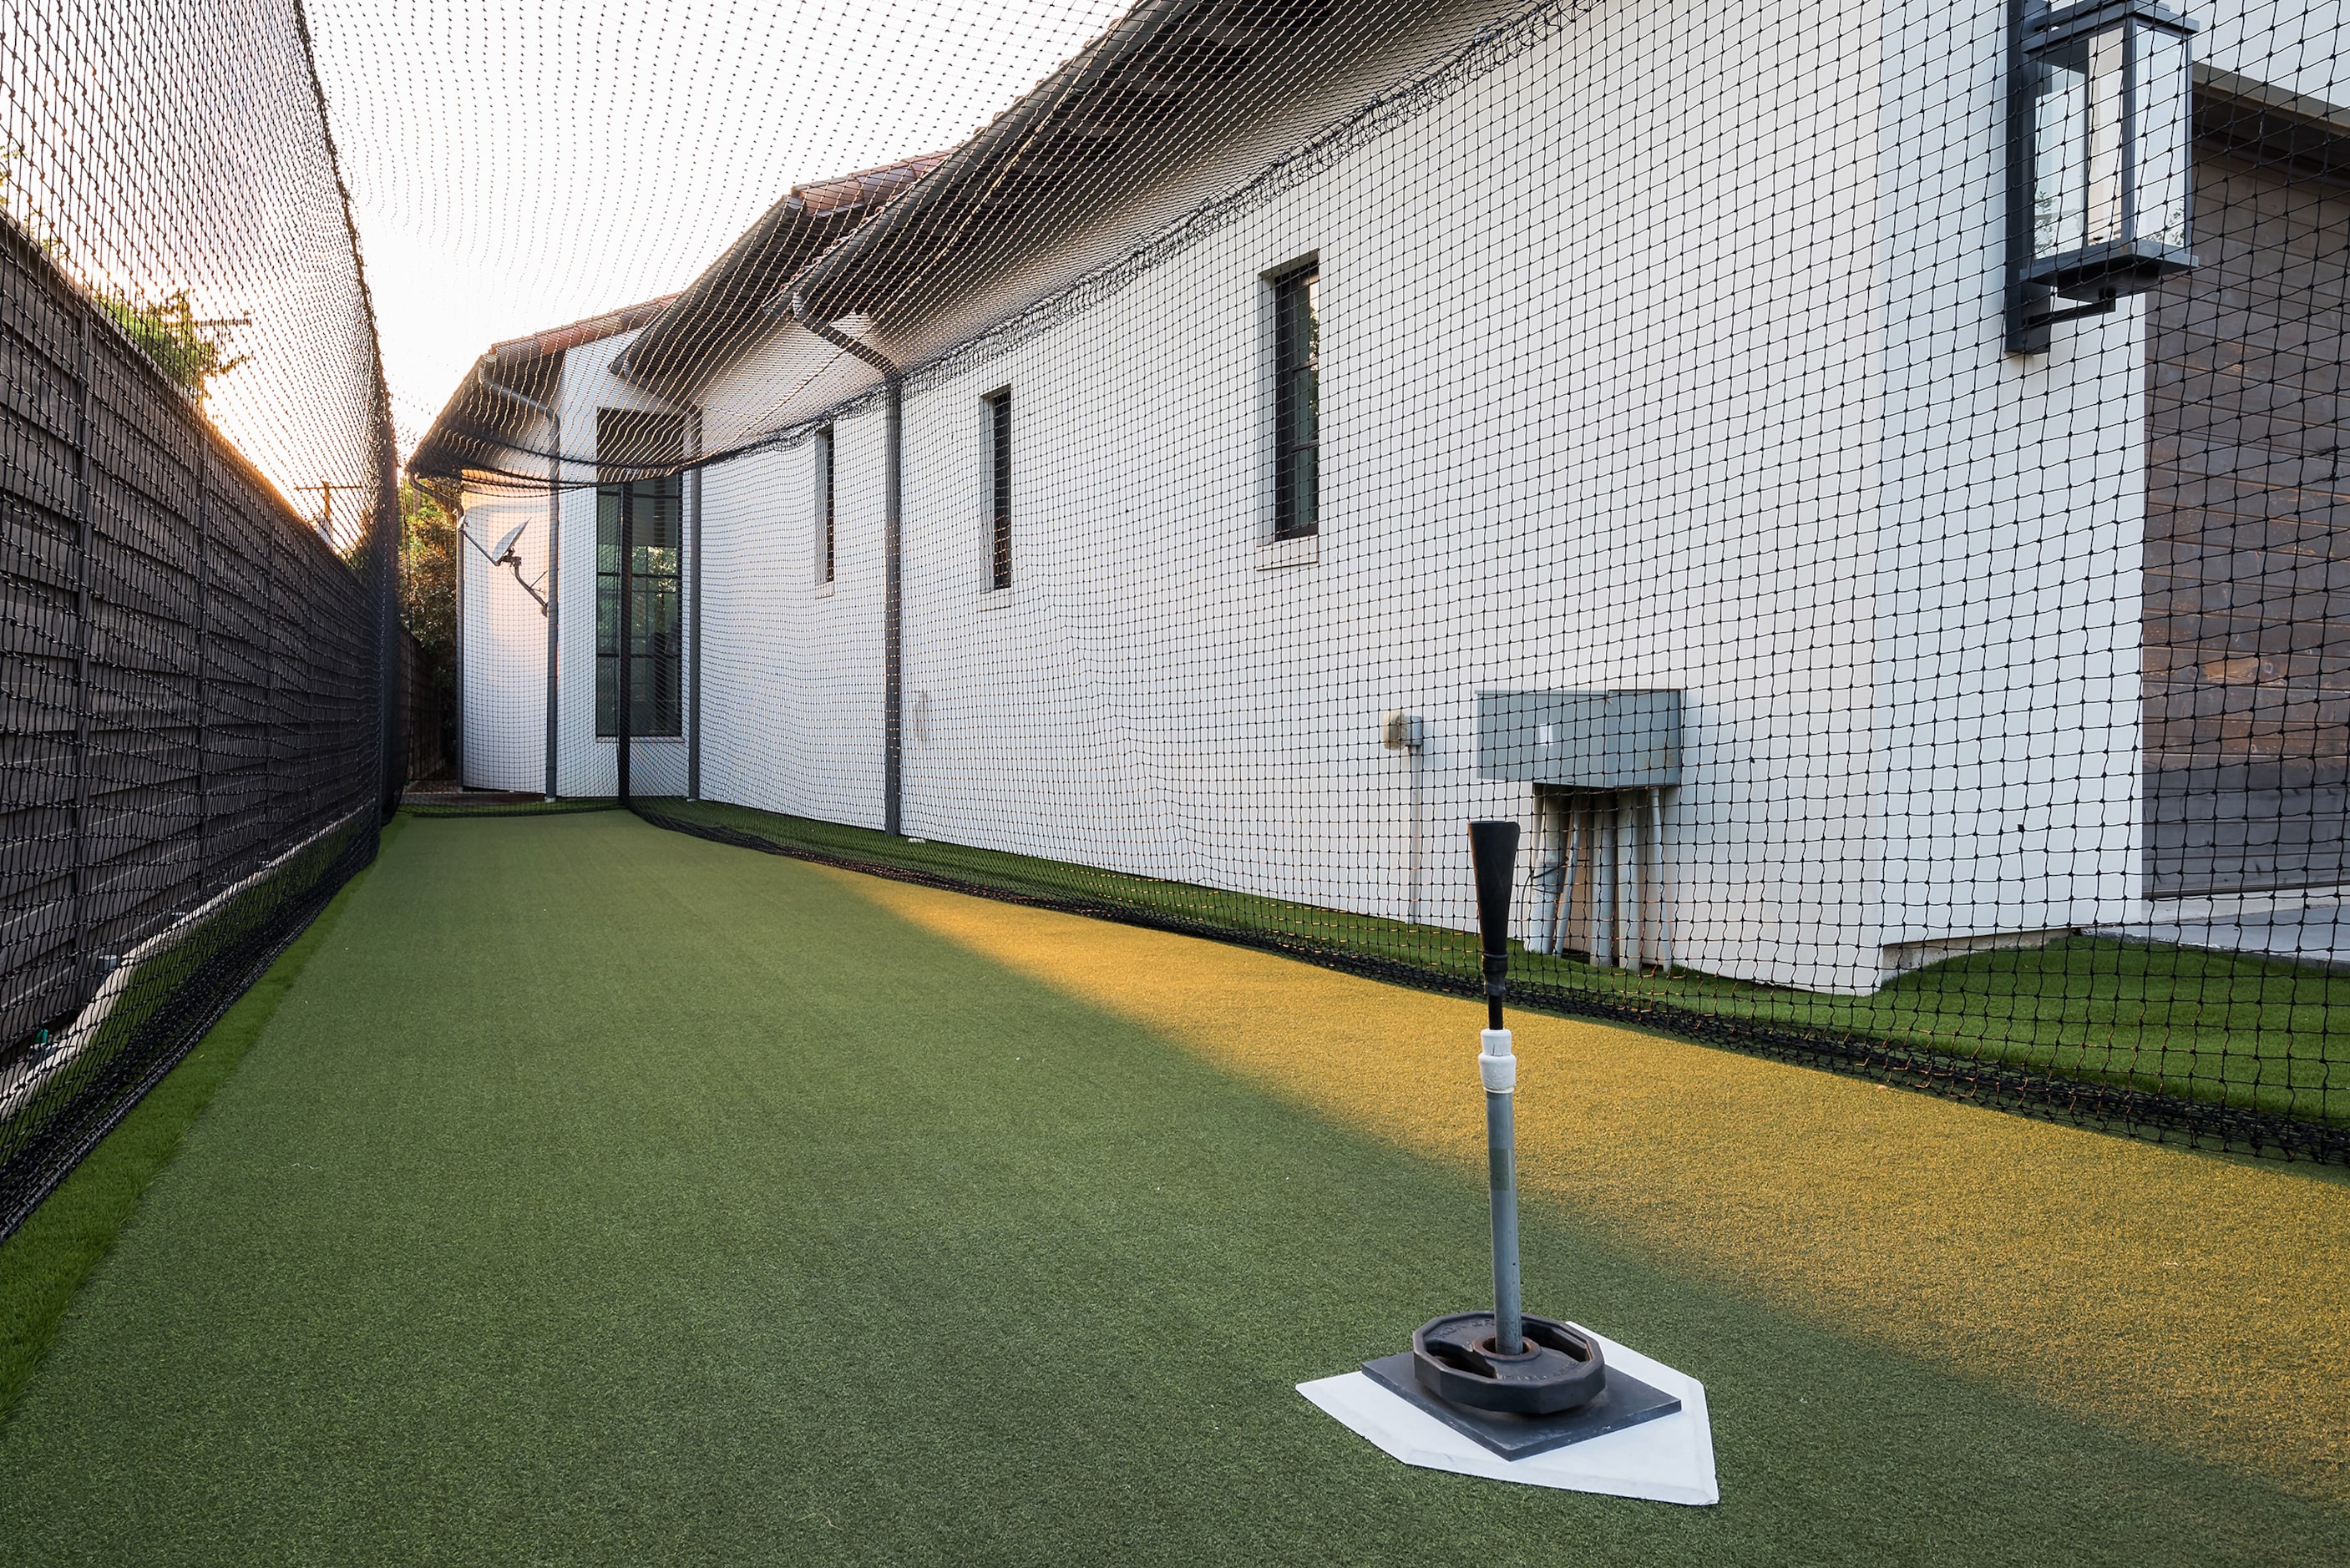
(693, 624)
(85, 480)
(203, 666)
(625, 698)
(2025, 301)
(893, 632)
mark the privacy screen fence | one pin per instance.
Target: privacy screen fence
(1862, 484)
(195, 456)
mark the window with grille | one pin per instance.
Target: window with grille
(639, 521)
(1297, 403)
(826, 556)
(999, 461)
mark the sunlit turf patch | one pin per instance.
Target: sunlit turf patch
(2216, 1028)
(2067, 1264)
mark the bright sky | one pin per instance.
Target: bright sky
(521, 164)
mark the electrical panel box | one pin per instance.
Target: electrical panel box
(1581, 740)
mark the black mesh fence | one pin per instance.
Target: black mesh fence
(196, 747)
(1862, 486)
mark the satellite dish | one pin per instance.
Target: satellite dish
(506, 545)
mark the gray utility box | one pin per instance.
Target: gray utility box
(1581, 740)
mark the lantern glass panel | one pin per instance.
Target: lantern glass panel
(2080, 118)
(2165, 97)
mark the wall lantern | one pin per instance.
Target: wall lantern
(2099, 159)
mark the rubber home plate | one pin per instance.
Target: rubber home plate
(1666, 1458)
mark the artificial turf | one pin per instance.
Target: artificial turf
(2225, 1028)
(602, 1195)
(46, 1260)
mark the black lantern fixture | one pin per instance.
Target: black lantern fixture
(2100, 165)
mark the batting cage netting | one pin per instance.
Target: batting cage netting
(195, 588)
(1860, 484)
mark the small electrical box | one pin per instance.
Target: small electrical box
(1581, 740)
(1402, 731)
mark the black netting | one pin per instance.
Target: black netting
(1862, 488)
(195, 466)
(1864, 497)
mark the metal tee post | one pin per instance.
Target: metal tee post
(1474, 1366)
(1494, 858)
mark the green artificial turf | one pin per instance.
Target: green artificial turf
(603, 1195)
(46, 1259)
(2201, 1025)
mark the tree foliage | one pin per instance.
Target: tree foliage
(427, 571)
(166, 330)
(190, 353)
(429, 543)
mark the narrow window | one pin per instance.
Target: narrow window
(824, 544)
(999, 461)
(1297, 403)
(648, 514)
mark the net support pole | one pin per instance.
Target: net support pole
(388, 526)
(893, 675)
(385, 534)
(624, 700)
(554, 586)
(693, 616)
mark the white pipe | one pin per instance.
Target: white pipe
(1414, 872)
(1603, 884)
(1628, 910)
(1579, 827)
(1570, 821)
(1664, 888)
(82, 1031)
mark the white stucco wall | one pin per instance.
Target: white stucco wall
(502, 692)
(1565, 443)
(1616, 393)
(587, 765)
(792, 670)
(2009, 574)
(504, 689)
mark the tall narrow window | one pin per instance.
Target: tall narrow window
(649, 513)
(1297, 403)
(825, 556)
(999, 491)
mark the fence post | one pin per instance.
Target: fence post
(204, 664)
(84, 477)
(391, 539)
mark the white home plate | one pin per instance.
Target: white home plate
(1669, 1459)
